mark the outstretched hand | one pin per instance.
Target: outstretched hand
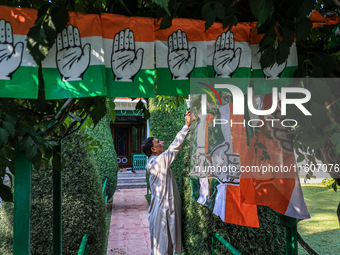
(187, 118)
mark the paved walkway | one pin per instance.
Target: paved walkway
(129, 230)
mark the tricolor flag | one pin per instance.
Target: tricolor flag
(216, 182)
(181, 54)
(129, 55)
(229, 54)
(18, 70)
(74, 66)
(284, 70)
(273, 180)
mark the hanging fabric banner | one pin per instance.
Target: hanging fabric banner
(18, 70)
(129, 55)
(271, 177)
(74, 66)
(218, 155)
(229, 54)
(181, 54)
(274, 72)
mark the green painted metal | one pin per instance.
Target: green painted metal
(83, 246)
(291, 233)
(225, 243)
(104, 190)
(22, 204)
(57, 211)
(139, 162)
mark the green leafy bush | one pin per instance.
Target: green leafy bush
(105, 158)
(199, 224)
(6, 228)
(83, 202)
(83, 206)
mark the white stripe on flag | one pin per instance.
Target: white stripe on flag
(255, 56)
(97, 52)
(27, 59)
(148, 56)
(245, 60)
(162, 52)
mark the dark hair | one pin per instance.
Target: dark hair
(146, 146)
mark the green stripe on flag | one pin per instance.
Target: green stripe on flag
(142, 86)
(24, 84)
(241, 72)
(93, 84)
(168, 87)
(262, 86)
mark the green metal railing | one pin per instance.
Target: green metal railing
(83, 246)
(139, 162)
(224, 242)
(104, 190)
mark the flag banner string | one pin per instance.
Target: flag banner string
(118, 56)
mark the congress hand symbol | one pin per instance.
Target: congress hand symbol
(125, 61)
(72, 59)
(10, 54)
(226, 59)
(181, 61)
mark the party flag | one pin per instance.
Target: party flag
(129, 55)
(181, 54)
(74, 66)
(18, 70)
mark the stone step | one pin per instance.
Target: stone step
(131, 179)
(129, 175)
(131, 185)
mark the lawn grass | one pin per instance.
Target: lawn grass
(322, 230)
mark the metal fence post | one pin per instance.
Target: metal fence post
(57, 211)
(22, 204)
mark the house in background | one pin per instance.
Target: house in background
(129, 130)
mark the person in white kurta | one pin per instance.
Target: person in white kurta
(165, 208)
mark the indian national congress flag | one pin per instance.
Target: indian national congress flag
(129, 55)
(18, 70)
(228, 52)
(74, 66)
(181, 54)
(274, 72)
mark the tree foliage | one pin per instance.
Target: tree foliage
(281, 23)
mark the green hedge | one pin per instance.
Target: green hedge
(83, 203)
(199, 223)
(83, 206)
(105, 158)
(6, 228)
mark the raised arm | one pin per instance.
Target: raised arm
(168, 156)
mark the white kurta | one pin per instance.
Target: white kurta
(165, 207)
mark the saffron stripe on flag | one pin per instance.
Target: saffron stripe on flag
(18, 70)
(284, 70)
(229, 52)
(181, 54)
(129, 55)
(75, 66)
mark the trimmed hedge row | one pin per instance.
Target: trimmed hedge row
(83, 206)
(105, 158)
(199, 224)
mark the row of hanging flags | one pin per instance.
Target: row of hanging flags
(113, 55)
(220, 153)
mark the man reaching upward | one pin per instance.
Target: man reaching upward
(165, 208)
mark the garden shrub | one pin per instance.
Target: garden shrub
(6, 228)
(199, 224)
(83, 206)
(105, 158)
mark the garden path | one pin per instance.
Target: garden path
(129, 229)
